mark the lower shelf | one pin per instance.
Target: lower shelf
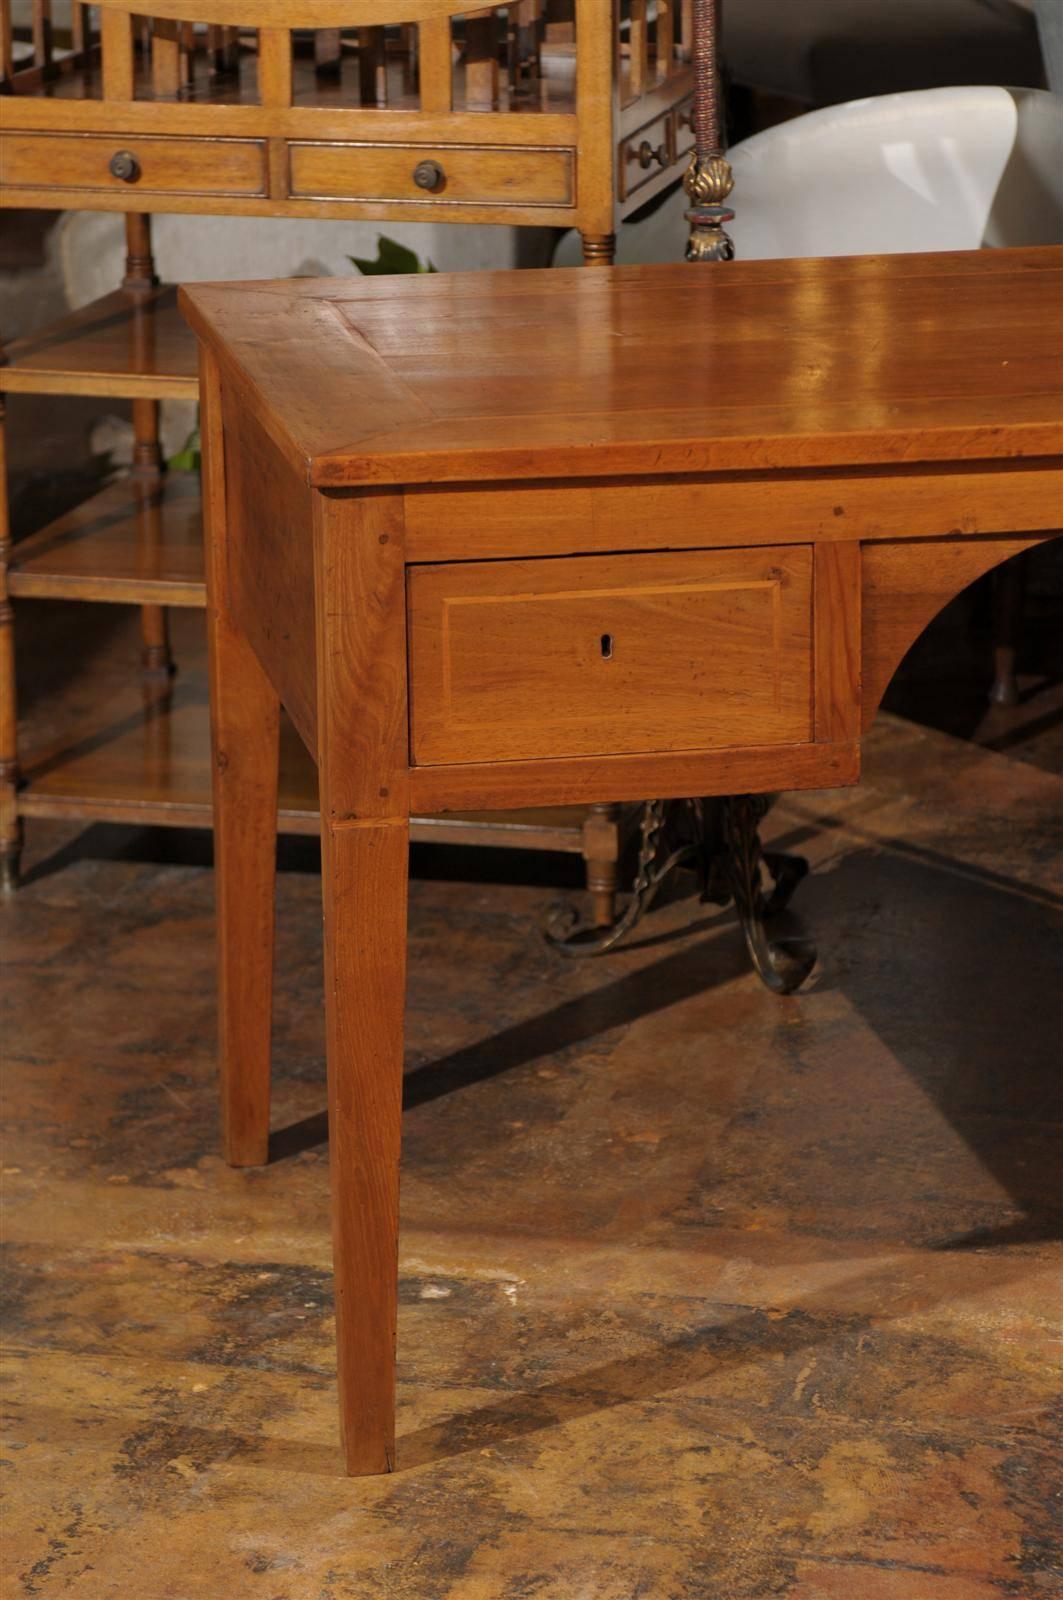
(149, 764)
(123, 345)
(127, 543)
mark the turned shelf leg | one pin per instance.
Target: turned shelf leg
(156, 659)
(148, 466)
(601, 856)
(599, 249)
(10, 821)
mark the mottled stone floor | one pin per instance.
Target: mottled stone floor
(705, 1295)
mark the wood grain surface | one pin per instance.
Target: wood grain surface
(752, 457)
(270, 572)
(650, 370)
(610, 654)
(245, 730)
(563, 519)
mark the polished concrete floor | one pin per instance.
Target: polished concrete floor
(706, 1295)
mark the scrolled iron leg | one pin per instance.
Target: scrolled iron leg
(787, 872)
(782, 966)
(720, 840)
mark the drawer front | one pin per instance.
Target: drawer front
(147, 165)
(511, 660)
(644, 154)
(449, 174)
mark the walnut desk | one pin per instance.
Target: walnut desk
(554, 537)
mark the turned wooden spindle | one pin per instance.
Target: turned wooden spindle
(10, 822)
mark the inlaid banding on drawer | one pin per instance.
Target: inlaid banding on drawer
(447, 174)
(134, 163)
(511, 660)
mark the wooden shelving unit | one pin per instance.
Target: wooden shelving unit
(146, 761)
(568, 113)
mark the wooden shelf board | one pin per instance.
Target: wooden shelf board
(149, 764)
(126, 544)
(125, 346)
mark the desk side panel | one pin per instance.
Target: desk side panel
(271, 562)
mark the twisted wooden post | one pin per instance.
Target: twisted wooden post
(708, 179)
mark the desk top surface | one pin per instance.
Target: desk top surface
(736, 366)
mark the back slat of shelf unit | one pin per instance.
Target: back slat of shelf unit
(79, 28)
(481, 59)
(275, 66)
(7, 43)
(435, 61)
(116, 35)
(372, 67)
(664, 48)
(638, 46)
(165, 58)
(42, 32)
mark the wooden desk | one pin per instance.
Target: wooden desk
(680, 550)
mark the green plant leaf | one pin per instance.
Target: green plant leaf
(391, 257)
(188, 458)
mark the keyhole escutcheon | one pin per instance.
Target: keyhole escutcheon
(607, 646)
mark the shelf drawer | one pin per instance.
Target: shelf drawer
(644, 154)
(488, 175)
(153, 165)
(626, 654)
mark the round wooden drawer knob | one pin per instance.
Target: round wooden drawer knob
(647, 155)
(428, 175)
(124, 165)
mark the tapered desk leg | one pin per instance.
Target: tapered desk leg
(245, 745)
(363, 762)
(364, 868)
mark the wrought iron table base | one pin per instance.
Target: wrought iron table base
(720, 840)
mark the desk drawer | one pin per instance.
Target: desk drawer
(623, 654)
(151, 165)
(447, 174)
